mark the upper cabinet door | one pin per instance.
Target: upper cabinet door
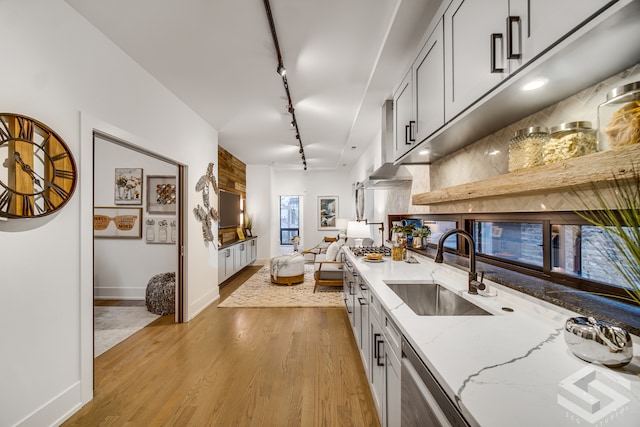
(535, 25)
(428, 82)
(403, 123)
(474, 57)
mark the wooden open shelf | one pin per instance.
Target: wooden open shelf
(576, 173)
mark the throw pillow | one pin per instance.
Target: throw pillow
(332, 251)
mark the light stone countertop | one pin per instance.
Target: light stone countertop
(511, 368)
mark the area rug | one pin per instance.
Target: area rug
(113, 325)
(258, 291)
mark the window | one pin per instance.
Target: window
(289, 218)
(584, 251)
(520, 242)
(438, 228)
(556, 246)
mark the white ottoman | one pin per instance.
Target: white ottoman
(287, 269)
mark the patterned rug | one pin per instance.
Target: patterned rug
(113, 325)
(258, 291)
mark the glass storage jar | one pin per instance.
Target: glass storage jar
(569, 140)
(525, 148)
(619, 117)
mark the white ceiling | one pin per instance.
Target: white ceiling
(343, 58)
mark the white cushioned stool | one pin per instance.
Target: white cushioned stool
(287, 269)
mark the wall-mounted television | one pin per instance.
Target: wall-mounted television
(228, 209)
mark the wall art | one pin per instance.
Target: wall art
(161, 194)
(160, 230)
(327, 212)
(117, 222)
(128, 186)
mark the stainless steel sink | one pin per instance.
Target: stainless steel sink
(433, 299)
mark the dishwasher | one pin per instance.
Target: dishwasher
(424, 402)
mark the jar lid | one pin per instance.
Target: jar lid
(572, 126)
(623, 90)
(530, 130)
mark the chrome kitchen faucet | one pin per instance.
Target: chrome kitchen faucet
(474, 285)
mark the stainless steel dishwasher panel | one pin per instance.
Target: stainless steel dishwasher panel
(423, 402)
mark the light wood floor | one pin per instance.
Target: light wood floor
(234, 367)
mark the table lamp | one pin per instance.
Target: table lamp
(358, 230)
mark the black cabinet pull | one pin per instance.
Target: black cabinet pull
(494, 37)
(510, 21)
(363, 287)
(375, 345)
(378, 362)
(412, 125)
(362, 301)
(407, 135)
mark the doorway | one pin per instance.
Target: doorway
(138, 236)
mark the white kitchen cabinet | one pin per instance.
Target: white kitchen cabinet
(225, 264)
(533, 26)
(233, 258)
(428, 85)
(403, 123)
(361, 327)
(240, 255)
(376, 361)
(392, 371)
(253, 251)
(486, 41)
(474, 57)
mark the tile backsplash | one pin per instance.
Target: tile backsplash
(488, 157)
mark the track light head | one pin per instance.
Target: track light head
(281, 70)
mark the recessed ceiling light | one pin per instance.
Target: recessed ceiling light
(424, 152)
(534, 84)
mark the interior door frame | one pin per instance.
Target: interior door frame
(180, 175)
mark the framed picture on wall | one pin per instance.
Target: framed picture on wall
(161, 194)
(327, 212)
(160, 230)
(117, 222)
(128, 186)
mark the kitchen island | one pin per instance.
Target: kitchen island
(509, 368)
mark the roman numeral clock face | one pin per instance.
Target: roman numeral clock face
(37, 171)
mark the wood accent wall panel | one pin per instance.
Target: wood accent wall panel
(232, 176)
(232, 173)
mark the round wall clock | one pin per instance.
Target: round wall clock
(37, 172)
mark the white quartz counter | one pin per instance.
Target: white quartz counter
(511, 368)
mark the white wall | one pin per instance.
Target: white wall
(123, 267)
(63, 72)
(260, 205)
(264, 187)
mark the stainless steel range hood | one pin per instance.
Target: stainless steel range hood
(388, 174)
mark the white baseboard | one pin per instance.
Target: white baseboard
(55, 411)
(119, 293)
(202, 303)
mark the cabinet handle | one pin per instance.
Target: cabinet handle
(510, 21)
(494, 37)
(346, 304)
(363, 287)
(362, 301)
(378, 362)
(406, 135)
(412, 125)
(375, 345)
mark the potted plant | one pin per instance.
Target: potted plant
(619, 221)
(402, 231)
(296, 241)
(421, 237)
